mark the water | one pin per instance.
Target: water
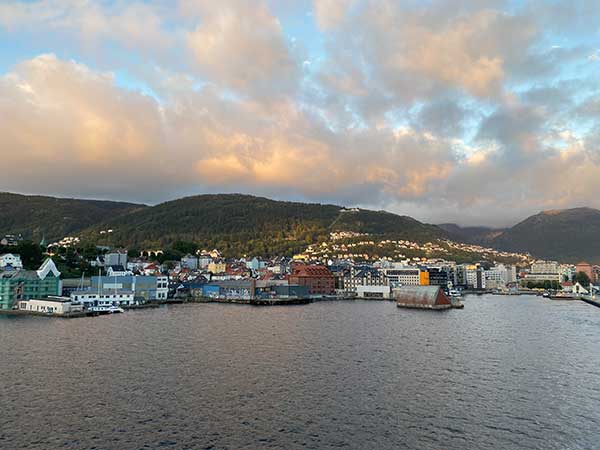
(504, 373)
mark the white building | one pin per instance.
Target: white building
(405, 276)
(475, 277)
(118, 271)
(58, 306)
(10, 260)
(93, 298)
(162, 287)
(116, 258)
(500, 275)
(544, 271)
(374, 291)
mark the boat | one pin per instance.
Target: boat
(98, 310)
(454, 293)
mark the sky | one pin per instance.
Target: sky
(477, 112)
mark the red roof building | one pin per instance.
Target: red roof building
(318, 279)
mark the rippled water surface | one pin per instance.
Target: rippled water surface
(504, 373)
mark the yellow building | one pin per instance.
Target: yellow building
(214, 267)
(424, 278)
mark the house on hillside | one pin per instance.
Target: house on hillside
(10, 261)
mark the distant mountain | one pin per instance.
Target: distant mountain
(568, 235)
(36, 216)
(239, 224)
(471, 235)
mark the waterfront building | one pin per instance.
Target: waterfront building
(28, 284)
(230, 289)
(372, 291)
(145, 287)
(10, 261)
(89, 298)
(499, 276)
(475, 277)
(57, 306)
(406, 276)
(438, 277)
(318, 279)
(362, 276)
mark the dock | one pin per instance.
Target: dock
(590, 301)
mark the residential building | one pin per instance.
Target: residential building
(217, 267)
(117, 271)
(204, 261)
(10, 261)
(10, 240)
(585, 268)
(475, 277)
(189, 262)
(29, 284)
(548, 267)
(116, 258)
(438, 277)
(255, 264)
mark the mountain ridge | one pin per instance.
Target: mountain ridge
(253, 224)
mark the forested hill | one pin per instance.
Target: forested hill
(568, 235)
(239, 224)
(37, 216)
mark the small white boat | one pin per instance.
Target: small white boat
(105, 309)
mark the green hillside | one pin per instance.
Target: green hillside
(238, 224)
(38, 216)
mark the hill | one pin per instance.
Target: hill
(568, 235)
(37, 216)
(238, 224)
(471, 235)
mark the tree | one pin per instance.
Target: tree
(581, 278)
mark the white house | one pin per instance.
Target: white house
(117, 271)
(10, 260)
(58, 306)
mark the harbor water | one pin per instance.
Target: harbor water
(515, 372)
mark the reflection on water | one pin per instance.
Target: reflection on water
(504, 373)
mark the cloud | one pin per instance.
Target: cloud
(240, 45)
(331, 13)
(472, 111)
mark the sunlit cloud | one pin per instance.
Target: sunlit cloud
(473, 113)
